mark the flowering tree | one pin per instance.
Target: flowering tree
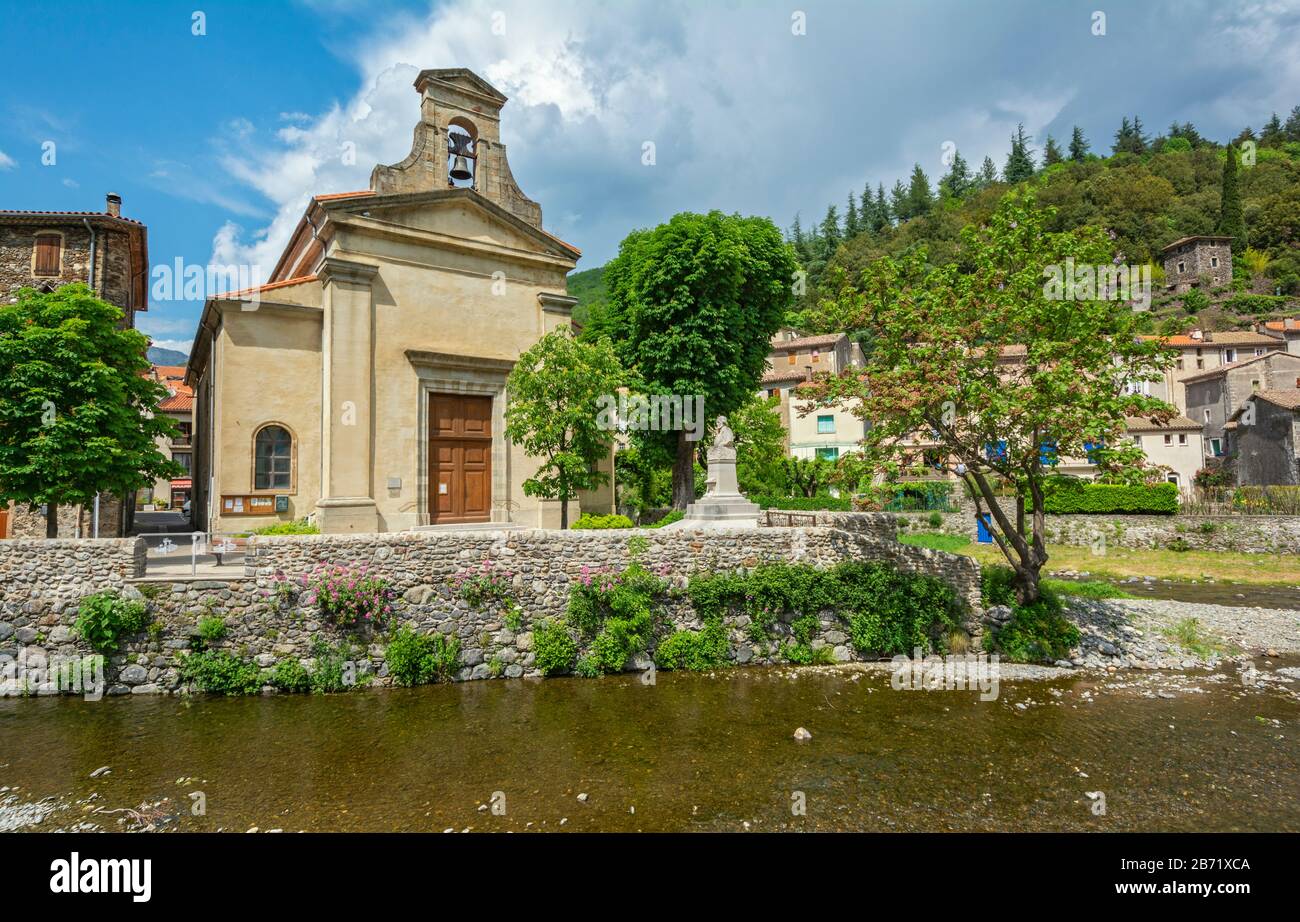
(1000, 375)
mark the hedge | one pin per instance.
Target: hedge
(1112, 498)
(804, 503)
(588, 520)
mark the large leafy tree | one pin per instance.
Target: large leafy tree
(554, 413)
(1002, 373)
(77, 412)
(760, 444)
(693, 305)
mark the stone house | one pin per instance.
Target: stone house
(1214, 396)
(1203, 260)
(1176, 445)
(364, 384)
(1264, 435)
(110, 253)
(822, 432)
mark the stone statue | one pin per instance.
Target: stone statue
(722, 505)
(724, 443)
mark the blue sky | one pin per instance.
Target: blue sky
(217, 140)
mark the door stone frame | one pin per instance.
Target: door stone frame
(445, 373)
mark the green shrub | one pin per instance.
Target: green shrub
(1179, 545)
(998, 586)
(587, 520)
(334, 669)
(675, 515)
(418, 659)
(694, 650)
(298, 527)
(1256, 304)
(935, 520)
(212, 628)
(291, 676)
(1038, 632)
(105, 619)
(802, 654)
(614, 613)
(554, 647)
(820, 503)
(219, 672)
(1065, 496)
(1195, 301)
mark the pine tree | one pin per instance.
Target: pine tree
(1020, 162)
(799, 240)
(958, 181)
(919, 197)
(898, 202)
(851, 223)
(1293, 125)
(1123, 137)
(881, 216)
(1140, 141)
(830, 231)
(987, 175)
(1051, 153)
(1272, 134)
(1232, 220)
(1078, 145)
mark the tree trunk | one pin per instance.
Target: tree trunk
(51, 520)
(1027, 578)
(684, 472)
(564, 514)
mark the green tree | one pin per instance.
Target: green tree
(1051, 152)
(940, 366)
(987, 175)
(919, 197)
(898, 204)
(77, 412)
(695, 303)
(1078, 145)
(555, 416)
(760, 444)
(1020, 161)
(957, 181)
(1232, 220)
(880, 215)
(852, 224)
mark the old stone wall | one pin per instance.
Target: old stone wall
(269, 618)
(1249, 534)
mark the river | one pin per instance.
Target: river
(690, 752)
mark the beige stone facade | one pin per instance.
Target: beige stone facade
(389, 306)
(812, 432)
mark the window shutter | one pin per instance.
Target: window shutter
(47, 254)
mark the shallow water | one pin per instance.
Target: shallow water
(690, 752)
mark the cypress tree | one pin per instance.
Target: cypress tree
(1020, 162)
(1232, 220)
(881, 217)
(851, 222)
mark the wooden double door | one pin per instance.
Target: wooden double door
(460, 458)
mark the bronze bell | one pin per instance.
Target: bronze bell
(460, 169)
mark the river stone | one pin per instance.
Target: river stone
(150, 689)
(836, 638)
(6, 630)
(25, 635)
(514, 670)
(60, 634)
(524, 641)
(134, 674)
(265, 660)
(841, 654)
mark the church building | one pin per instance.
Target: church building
(365, 383)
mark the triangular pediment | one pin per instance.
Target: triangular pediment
(457, 213)
(461, 77)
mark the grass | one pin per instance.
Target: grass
(954, 544)
(1122, 562)
(1087, 589)
(1187, 634)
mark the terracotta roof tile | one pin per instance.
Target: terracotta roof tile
(270, 286)
(1225, 368)
(1287, 399)
(1141, 424)
(806, 342)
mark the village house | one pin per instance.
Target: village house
(1264, 438)
(1213, 397)
(820, 432)
(108, 252)
(364, 384)
(179, 407)
(1287, 330)
(1205, 350)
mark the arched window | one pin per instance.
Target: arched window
(272, 459)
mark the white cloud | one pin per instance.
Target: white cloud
(71, 183)
(180, 345)
(7, 162)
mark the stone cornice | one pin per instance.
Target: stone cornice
(333, 269)
(557, 304)
(424, 358)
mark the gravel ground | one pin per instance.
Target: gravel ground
(1139, 633)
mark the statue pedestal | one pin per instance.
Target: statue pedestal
(722, 505)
